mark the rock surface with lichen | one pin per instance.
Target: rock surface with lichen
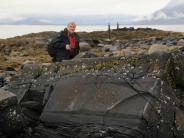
(153, 79)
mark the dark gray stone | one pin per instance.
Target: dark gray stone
(2, 81)
(7, 99)
(101, 97)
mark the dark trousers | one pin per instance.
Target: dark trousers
(61, 55)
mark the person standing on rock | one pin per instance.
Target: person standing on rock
(66, 45)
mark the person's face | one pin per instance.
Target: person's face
(71, 28)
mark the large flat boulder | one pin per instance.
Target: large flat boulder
(7, 99)
(84, 100)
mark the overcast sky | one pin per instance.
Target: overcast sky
(19, 8)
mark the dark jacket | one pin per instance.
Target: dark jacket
(57, 50)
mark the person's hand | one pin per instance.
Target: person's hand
(68, 47)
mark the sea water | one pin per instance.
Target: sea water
(7, 31)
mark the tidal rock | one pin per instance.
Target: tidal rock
(119, 53)
(180, 119)
(41, 41)
(27, 52)
(181, 42)
(85, 55)
(141, 51)
(15, 54)
(7, 99)
(158, 48)
(10, 119)
(108, 95)
(9, 71)
(31, 70)
(115, 48)
(28, 62)
(174, 48)
(46, 64)
(84, 46)
(107, 41)
(107, 48)
(101, 45)
(179, 70)
(108, 55)
(124, 52)
(7, 50)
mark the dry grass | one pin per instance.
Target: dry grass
(35, 48)
(127, 35)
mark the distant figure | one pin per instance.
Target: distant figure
(65, 45)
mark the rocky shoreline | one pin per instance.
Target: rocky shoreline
(32, 48)
(126, 41)
(133, 80)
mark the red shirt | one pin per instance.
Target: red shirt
(72, 41)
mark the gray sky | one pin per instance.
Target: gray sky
(16, 9)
